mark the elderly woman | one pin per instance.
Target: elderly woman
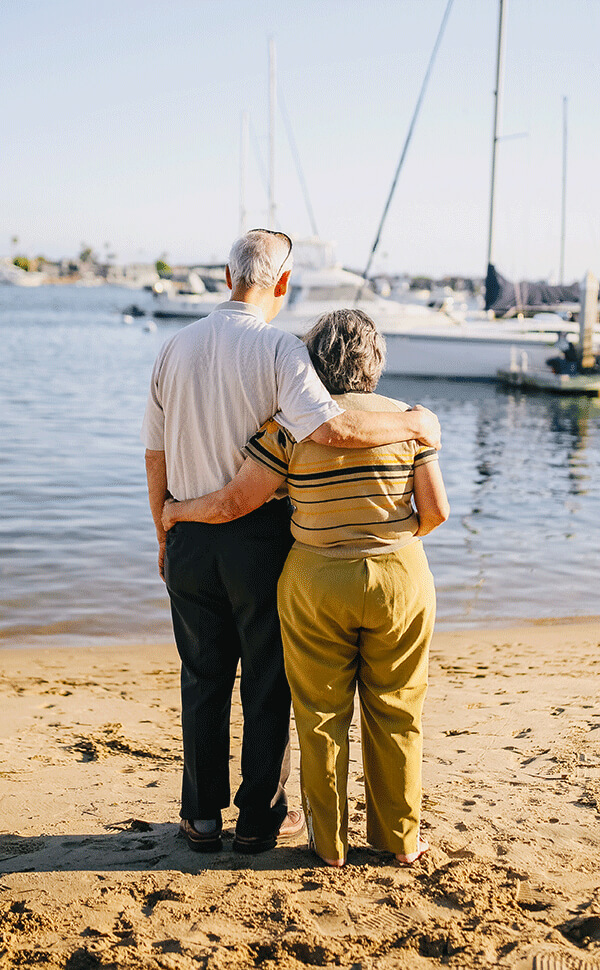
(356, 597)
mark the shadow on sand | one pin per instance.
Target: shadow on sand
(157, 848)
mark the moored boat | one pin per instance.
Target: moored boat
(13, 275)
(198, 297)
(421, 341)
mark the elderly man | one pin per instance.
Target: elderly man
(213, 385)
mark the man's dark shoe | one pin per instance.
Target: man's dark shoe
(292, 825)
(253, 844)
(199, 841)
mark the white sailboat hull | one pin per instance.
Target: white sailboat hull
(421, 341)
(430, 345)
(462, 357)
(167, 307)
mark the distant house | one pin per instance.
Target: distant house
(134, 275)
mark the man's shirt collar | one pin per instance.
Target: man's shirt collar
(249, 308)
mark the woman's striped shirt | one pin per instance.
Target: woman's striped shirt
(347, 503)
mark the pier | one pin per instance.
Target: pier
(582, 377)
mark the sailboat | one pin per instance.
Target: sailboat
(202, 292)
(421, 341)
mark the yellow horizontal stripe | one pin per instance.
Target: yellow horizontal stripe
(306, 498)
(353, 511)
(351, 459)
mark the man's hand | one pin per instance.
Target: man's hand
(161, 559)
(156, 473)
(431, 432)
(168, 517)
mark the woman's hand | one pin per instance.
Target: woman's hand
(250, 488)
(169, 514)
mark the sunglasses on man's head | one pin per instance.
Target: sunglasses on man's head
(281, 235)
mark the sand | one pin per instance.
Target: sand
(92, 874)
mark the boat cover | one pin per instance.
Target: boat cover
(501, 295)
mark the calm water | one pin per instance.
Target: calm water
(77, 560)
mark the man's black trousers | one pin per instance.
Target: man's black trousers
(222, 581)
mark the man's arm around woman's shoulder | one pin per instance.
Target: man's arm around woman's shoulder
(370, 429)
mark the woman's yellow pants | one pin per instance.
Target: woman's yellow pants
(365, 622)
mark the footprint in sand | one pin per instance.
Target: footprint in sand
(385, 922)
(168, 946)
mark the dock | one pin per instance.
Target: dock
(579, 372)
(538, 380)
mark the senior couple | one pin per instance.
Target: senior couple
(289, 500)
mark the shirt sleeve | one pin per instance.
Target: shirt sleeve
(424, 454)
(153, 425)
(303, 402)
(271, 446)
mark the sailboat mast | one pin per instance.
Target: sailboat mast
(272, 114)
(497, 116)
(563, 211)
(244, 136)
(411, 129)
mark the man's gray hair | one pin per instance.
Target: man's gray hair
(259, 258)
(347, 351)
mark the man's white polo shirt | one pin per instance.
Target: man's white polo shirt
(215, 383)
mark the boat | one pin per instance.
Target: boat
(506, 299)
(196, 297)
(440, 341)
(452, 342)
(132, 312)
(576, 370)
(421, 341)
(444, 340)
(12, 275)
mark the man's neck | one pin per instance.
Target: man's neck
(263, 299)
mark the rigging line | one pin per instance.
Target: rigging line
(261, 167)
(409, 134)
(259, 160)
(296, 157)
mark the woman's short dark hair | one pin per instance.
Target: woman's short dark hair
(347, 351)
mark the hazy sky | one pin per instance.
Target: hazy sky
(122, 126)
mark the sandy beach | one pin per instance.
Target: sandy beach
(92, 874)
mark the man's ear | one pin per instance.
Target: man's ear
(228, 278)
(282, 283)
